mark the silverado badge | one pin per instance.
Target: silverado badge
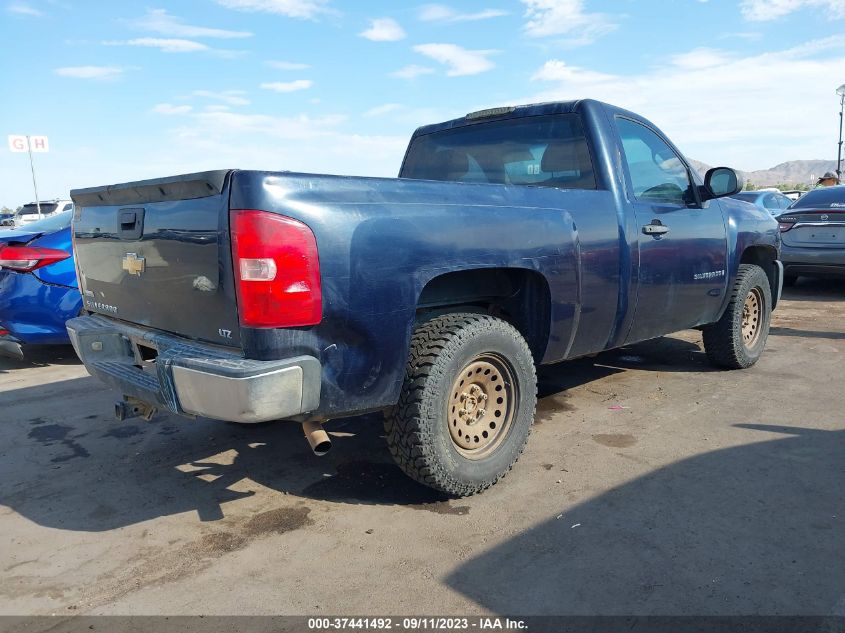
(133, 264)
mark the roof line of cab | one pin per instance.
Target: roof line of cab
(527, 110)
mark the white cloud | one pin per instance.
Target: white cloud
(443, 13)
(167, 108)
(282, 65)
(741, 35)
(765, 10)
(700, 58)
(207, 140)
(565, 18)
(557, 70)
(161, 22)
(723, 113)
(381, 110)
(459, 61)
(90, 72)
(166, 45)
(296, 128)
(229, 97)
(412, 71)
(384, 30)
(303, 9)
(22, 8)
(288, 86)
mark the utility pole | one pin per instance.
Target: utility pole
(38, 201)
(841, 92)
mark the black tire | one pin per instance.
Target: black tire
(789, 280)
(418, 427)
(726, 342)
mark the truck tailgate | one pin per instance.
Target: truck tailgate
(156, 253)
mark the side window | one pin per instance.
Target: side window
(657, 172)
(68, 207)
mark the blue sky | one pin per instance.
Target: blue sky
(129, 90)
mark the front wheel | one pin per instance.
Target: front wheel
(736, 341)
(467, 403)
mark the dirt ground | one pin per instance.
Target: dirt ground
(651, 484)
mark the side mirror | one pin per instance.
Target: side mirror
(720, 182)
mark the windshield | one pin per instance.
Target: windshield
(53, 223)
(549, 151)
(825, 198)
(31, 209)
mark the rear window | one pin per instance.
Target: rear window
(31, 209)
(824, 198)
(543, 151)
(53, 223)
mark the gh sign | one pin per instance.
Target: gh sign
(20, 143)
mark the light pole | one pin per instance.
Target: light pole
(841, 92)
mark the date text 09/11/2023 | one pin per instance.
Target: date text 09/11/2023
(415, 624)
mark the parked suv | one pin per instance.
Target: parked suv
(29, 212)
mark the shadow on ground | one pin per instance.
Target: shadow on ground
(758, 528)
(66, 464)
(815, 289)
(40, 356)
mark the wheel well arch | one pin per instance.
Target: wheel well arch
(764, 257)
(520, 296)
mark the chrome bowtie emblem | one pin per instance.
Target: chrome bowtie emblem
(133, 264)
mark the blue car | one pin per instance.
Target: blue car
(38, 289)
(769, 200)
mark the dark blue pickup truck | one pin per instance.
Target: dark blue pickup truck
(513, 237)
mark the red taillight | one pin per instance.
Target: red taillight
(785, 226)
(27, 258)
(277, 270)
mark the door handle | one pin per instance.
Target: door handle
(656, 228)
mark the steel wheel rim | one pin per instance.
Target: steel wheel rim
(752, 316)
(481, 406)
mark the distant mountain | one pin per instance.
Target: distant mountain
(793, 172)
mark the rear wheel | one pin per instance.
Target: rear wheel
(467, 403)
(736, 341)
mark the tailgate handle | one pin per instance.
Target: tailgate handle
(127, 220)
(131, 225)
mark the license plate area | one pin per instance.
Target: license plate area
(830, 235)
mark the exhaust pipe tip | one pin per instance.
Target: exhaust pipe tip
(317, 437)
